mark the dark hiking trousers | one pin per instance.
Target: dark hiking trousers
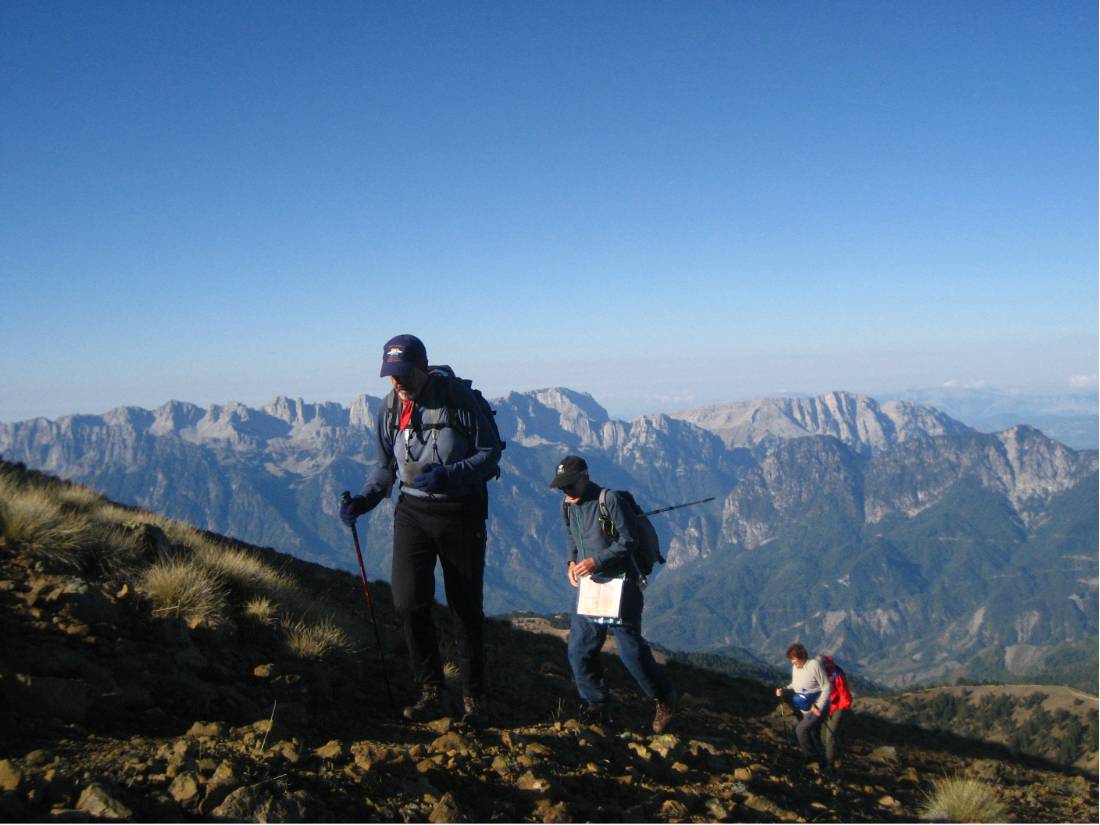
(808, 732)
(454, 533)
(832, 735)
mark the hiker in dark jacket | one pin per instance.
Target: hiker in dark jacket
(433, 438)
(808, 693)
(592, 552)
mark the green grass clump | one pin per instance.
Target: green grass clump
(959, 799)
(183, 588)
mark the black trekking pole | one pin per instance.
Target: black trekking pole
(677, 506)
(370, 604)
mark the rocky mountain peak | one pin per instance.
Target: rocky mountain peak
(857, 420)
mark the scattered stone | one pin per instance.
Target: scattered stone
(673, 810)
(452, 742)
(640, 750)
(743, 774)
(39, 758)
(440, 726)
(264, 671)
(332, 749)
(547, 811)
(531, 782)
(664, 744)
(206, 729)
(887, 802)
(716, 810)
(680, 768)
(445, 810)
(538, 749)
(184, 788)
(96, 801)
(11, 777)
(500, 765)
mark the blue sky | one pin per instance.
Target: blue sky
(663, 204)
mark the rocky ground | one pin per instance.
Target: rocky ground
(113, 711)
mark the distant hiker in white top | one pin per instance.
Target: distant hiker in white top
(808, 693)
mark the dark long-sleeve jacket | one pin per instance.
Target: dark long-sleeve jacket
(465, 447)
(586, 538)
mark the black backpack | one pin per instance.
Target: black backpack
(647, 551)
(453, 417)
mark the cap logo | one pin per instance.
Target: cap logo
(561, 468)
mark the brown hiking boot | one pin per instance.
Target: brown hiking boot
(431, 705)
(666, 712)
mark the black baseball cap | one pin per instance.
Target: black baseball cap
(569, 471)
(403, 353)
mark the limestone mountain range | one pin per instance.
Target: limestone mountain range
(803, 485)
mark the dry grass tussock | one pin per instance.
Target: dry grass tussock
(57, 524)
(316, 640)
(960, 799)
(195, 576)
(261, 609)
(186, 589)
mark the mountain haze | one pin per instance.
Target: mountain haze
(888, 533)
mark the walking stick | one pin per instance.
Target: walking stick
(370, 605)
(677, 506)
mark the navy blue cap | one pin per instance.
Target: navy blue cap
(402, 354)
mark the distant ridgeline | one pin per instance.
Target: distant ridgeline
(910, 546)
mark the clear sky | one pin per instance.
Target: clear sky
(664, 204)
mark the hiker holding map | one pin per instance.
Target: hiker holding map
(606, 564)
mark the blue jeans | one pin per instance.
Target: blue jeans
(586, 640)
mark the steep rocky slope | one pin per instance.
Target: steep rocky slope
(127, 699)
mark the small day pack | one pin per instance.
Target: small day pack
(840, 697)
(648, 549)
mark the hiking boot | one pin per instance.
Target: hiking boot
(431, 705)
(593, 714)
(473, 711)
(666, 712)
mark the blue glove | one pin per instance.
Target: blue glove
(351, 509)
(433, 478)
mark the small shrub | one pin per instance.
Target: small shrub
(960, 799)
(320, 640)
(181, 587)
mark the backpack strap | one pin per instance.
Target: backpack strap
(606, 524)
